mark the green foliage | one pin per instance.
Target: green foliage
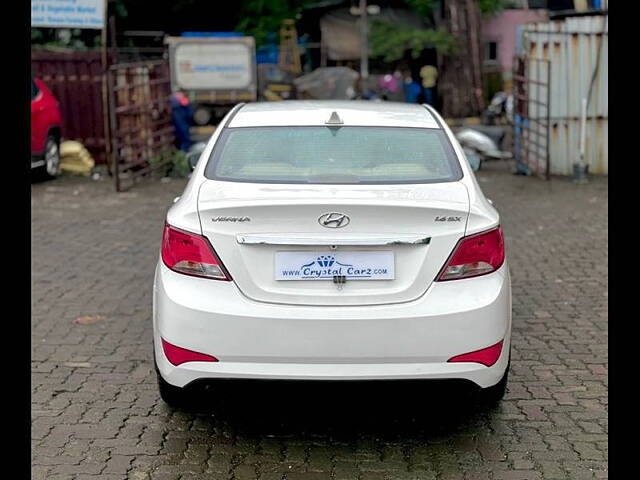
(179, 165)
(390, 41)
(120, 9)
(260, 17)
(491, 7)
(65, 38)
(424, 8)
(36, 35)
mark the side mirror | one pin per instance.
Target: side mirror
(474, 161)
(194, 154)
(192, 158)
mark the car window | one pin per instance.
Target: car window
(344, 155)
(34, 90)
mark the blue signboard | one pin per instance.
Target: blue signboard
(67, 13)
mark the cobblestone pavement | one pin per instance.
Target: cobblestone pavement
(96, 411)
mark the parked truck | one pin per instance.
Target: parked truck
(216, 72)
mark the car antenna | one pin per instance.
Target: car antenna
(334, 119)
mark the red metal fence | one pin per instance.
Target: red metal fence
(136, 120)
(75, 78)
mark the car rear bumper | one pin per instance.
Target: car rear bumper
(37, 160)
(411, 340)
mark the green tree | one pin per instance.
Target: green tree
(491, 7)
(424, 8)
(390, 40)
(260, 17)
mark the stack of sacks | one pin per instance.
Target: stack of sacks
(74, 158)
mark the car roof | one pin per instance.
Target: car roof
(318, 112)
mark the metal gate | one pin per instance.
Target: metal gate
(142, 135)
(531, 109)
(76, 80)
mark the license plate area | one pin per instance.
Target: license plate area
(325, 265)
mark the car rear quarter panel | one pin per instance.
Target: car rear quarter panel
(45, 118)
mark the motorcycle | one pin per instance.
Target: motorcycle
(500, 110)
(482, 142)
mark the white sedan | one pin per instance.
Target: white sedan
(326, 240)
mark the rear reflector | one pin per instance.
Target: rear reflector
(178, 356)
(487, 356)
(191, 254)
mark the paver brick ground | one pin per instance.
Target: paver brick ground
(96, 412)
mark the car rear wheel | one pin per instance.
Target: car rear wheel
(202, 116)
(172, 395)
(52, 157)
(491, 396)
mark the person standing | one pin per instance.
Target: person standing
(411, 89)
(182, 119)
(429, 75)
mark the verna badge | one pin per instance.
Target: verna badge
(334, 220)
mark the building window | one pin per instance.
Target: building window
(491, 52)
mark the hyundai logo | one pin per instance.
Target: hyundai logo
(334, 220)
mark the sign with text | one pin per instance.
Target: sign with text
(213, 65)
(360, 265)
(68, 13)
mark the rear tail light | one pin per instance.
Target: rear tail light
(487, 356)
(475, 255)
(179, 355)
(191, 254)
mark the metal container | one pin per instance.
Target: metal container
(217, 70)
(575, 46)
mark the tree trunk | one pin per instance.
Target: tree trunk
(460, 82)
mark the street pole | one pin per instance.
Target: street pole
(104, 60)
(364, 41)
(580, 169)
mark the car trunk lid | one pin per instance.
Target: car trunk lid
(395, 241)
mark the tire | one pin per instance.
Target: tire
(490, 397)
(202, 116)
(51, 167)
(171, 395)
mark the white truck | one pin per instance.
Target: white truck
(215, 72)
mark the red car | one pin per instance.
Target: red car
(45, 129)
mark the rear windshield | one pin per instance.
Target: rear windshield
(339, 155)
